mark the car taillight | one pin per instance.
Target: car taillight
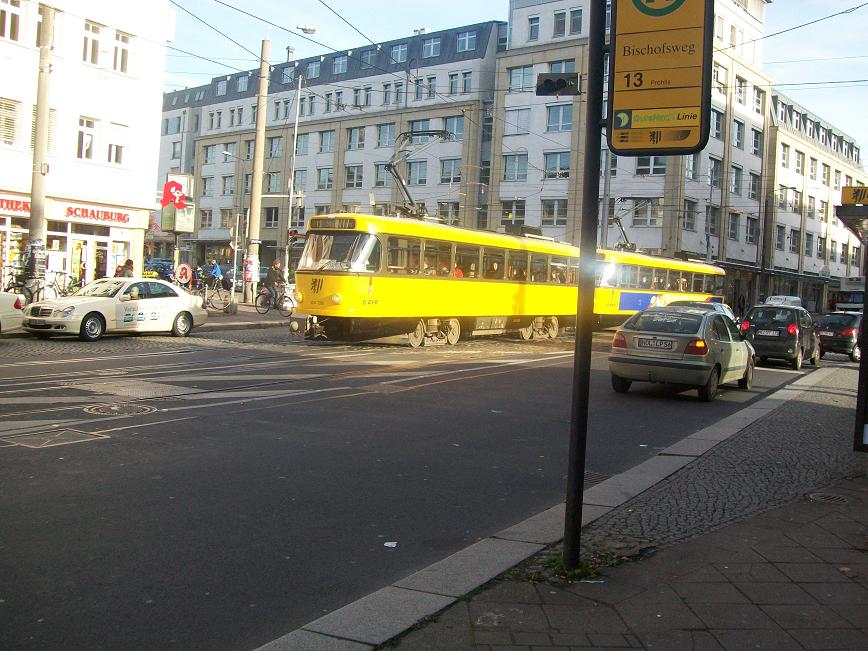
(793, 329)
(744, 326)
(848, 332)
(619, 341)
(696, 347)
(18, 305)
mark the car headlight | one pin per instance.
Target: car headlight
(336, 299)
(64, 312)
(297, 295)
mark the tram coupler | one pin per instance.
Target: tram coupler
(307, 327)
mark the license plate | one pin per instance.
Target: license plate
(36, 322)
(655, 344)
(767, 333)
(827, 333)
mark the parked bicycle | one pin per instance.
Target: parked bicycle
(285, 303)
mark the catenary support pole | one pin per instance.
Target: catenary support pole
(585, 304)
(253, 223)
(288, 255)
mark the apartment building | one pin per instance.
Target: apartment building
(353, 105)
(807, 249)
(105, 86)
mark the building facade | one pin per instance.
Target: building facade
(105, 87)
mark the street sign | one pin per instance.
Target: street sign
(852, 195)
(660, 76)
(183, 274)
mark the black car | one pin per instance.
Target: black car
(839, 333)
(782, 332)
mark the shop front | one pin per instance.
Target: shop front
(85, 241)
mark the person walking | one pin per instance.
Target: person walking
(275, 281)
(127, 271)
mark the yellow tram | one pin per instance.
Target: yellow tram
(367, 276)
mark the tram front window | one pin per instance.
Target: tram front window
(356, 252)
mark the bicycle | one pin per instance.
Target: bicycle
(215, 296)
(263, 302)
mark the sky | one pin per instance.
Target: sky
(805, 63)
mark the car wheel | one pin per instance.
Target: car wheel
(797, 361)
(182, 325)
(709, 390)
(855, 354)
(747, 381)
(92, 327)
(621, 384)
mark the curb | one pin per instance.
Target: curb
(208, 326)
(394, 609)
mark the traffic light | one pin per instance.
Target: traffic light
(559, 83)
(293, 236)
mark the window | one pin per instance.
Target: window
(560, 28)
(385, 135)
(248, 183)
(272, 182)
(324, 178)
(354, 176)
(515, 167)
(357, 97)
(369, 97)
(750, 232)
(206, 219)
(512, 212)
(785, 155)
(759, 100)
(824, 210)
(356, 138)
(575, 21)
(382, 178)
(115, 154)
(521, 78)
(207, 186)
(826, 172)
(248, 149)
(718, 78)
(450, 170)
(795, 240)
(10, 20)
(399, 93)
(800, 163)
(420, 125)
(339, 64)
(466, 79)
(780, 236)
(691, 166)
(287, 76)
(812, 169)
(557, 165)
(466, 41)
(221, 87)
(419, 87)
(714, 171)
(566, 65)
(740, 90)
(856, 256)
(299, 181)
(843, 258)
(431, 47)
(90, 47)
(455, 126)
(812, 207)
(417, 172)
(837, 179)
(516, 121)
(554, 212)
(757, 142)
(227, 185)
(735, 180)
(122, 52)
(754, 190)
(271, 217)
(797, 201)
(651, 165)
(821, 247)
(399, 53)
(453, 83)
(301, 144)
(689, 220)
(432, 87)
(86, 128)
(387, 94)
(326, 142)
(275, 146)
(367, 58)
(716, 124)
(560, 117)
(734, 226)
(448, 211)
(809, 244)
(533, 28)
(712, 219)
(738, 134)
(647, 212)
(176, 150)
(833, 251)
(313, 70)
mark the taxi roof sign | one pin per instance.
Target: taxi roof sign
(660, 76)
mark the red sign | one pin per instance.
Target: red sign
(173, 193)
(15, 205)
(184, 274)
(98, 215)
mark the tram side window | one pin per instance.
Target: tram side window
(404, 255)
(628, 276)
(517, 265)
(677, 282)
(659, 279)
(646, 278)
(573, 271)
(539, 268)
(558, 269)
(714, 284)
(698, 282)
(438, 258)
(493, 263)
(466, 261)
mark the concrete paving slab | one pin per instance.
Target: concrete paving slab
(543, 528)
(307, 641)
(469, 568)
(379, 616)
(620, 488)
(591, 512)
(690, 447)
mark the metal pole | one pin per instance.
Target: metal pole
(607, 189)
(253, 220)
(35, 267)
(585, 302)
(708, 214)
(287, 257)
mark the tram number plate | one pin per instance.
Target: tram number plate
(767, 333)
(827, 333)
(656, 344)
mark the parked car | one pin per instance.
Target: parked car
(110, 305)
(840, 333)
(782, 332)
(722, 308)
(684, 346)
(11, 311)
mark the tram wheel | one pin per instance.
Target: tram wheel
(526, 333)
(417, 335)
(453, 331)
(552, 327)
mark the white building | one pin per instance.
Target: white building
(105, 90)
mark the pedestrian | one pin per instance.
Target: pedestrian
(741, 304)
(119, 271)
(127, 270)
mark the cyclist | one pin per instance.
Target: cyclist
(275, 281)
(215, 274)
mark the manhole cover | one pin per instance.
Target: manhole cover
(827, 498)
(119, 409)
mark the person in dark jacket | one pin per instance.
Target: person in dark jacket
(275, 281)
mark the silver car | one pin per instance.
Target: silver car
(683, 346)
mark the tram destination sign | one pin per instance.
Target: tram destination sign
(660, 76)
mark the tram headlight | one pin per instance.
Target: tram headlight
(297, 295)
(336, 299)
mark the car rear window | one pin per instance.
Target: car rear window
(665, 322)
(839, 320)
(772, 315)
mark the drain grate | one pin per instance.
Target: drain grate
(827, 498)
(594, 478)
(119, 409)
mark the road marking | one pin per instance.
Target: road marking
(52, 362)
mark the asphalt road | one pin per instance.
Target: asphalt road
(220, 491)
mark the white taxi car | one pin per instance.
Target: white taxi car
(10, 311)
(117, 305)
